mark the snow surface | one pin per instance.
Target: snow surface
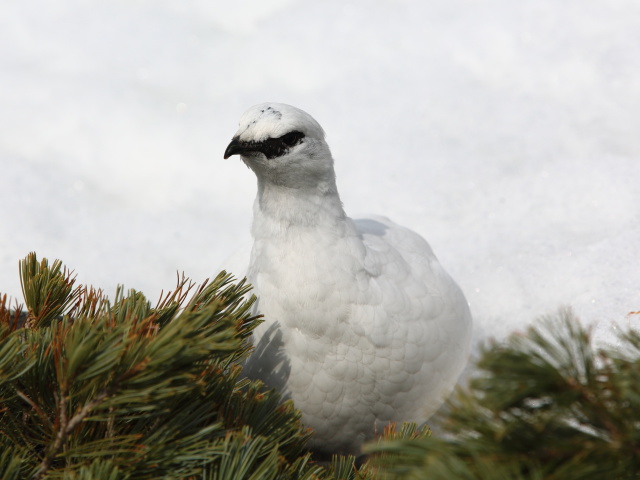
(504, 132)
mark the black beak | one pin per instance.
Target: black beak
(234, 148)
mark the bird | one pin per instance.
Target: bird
(362, 326)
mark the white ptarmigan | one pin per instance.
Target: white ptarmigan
(362, 326)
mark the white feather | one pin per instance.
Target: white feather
(362, 324)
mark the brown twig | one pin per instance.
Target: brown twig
(35, 406)
(66, 428)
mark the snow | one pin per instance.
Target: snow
(509, 138)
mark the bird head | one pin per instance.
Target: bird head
(283, 145)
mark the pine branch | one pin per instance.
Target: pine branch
(115, 389)
(67, 427)
(11, 318)
(48, 291)
(545, 405)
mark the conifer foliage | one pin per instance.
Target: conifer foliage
(99, 389)
(545, 405)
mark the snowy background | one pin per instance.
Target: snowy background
(506, 132)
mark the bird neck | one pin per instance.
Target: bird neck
(277, 208)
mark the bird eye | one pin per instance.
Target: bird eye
(292, 138)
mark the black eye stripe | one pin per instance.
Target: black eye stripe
(292, 138)
(276, 147)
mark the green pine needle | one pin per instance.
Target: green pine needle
(544, 405)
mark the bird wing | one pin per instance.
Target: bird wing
(415, 316)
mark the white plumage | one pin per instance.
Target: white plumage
(362, 324)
